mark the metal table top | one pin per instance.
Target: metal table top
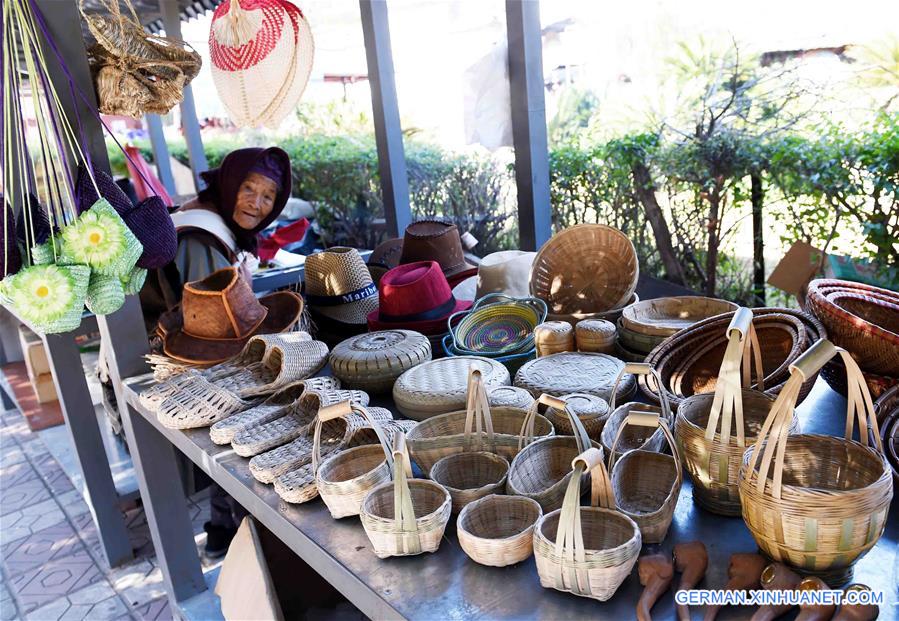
(448, 585)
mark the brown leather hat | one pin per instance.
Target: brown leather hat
(220, 313)
(431, 240)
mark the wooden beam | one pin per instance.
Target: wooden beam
(386, 116)
(161, 152)
(529, 122)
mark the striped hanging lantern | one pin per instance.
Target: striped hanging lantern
(261, 53)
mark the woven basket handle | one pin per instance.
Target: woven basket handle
(477, 413)
(340, 410)
(404, 524)
(569, 536)
(526, 433)
(642, 368)
(727, 403)
(580, 434)
(454, 318)
(647, 419)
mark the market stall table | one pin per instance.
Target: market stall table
(446, 584)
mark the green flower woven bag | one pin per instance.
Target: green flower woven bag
(50, 298)
(105, 294)
(100, 239)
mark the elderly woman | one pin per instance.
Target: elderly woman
(215, 230)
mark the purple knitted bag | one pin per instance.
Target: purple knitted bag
(86, 194)
(151, 223)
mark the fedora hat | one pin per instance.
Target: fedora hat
(220, 313)
(339, 287)
(385, 256)
(432, 240)
(415, 296)
(506, 271)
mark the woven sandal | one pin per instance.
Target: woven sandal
(258, 439)
(279, 404)
(200, 403)
(253, 354)
(336, 435)
(297, 485)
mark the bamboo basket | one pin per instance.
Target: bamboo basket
(712, 454)
(498, 530)
(570, 372)
(647, 484)
(635, 437)
(509, 396)
(637, 342)
(816, 502)
(470, 476)
(372, 362)
(664, 316)
(586, 268)
(541, 469)
(590, 409)
(344, 479)
(612, 315)
(552, 337)
(588, 551)
(408, 516)
(478, 428)
(596, 335)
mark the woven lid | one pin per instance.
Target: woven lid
(575, 372)
(510, 397)
(583, 406)
(441, 386)
(596, 330)
(553, 332)
(386, 353)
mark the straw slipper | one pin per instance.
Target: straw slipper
(258, 439)
(279, 404)
(298, 485)
(253, 353)
(336, 434)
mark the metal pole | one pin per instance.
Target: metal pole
(529, 122)
(386, 113)
(171, 20)
(160, 152)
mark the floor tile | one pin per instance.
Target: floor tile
(8, 610)
(42, 547)
(87, 531)
(7, 441)
(34, 448)
(157, 610)
(72, 503)
(40, 586)
(52, 474)
(98, 602)
(17, 473)
(17, 497)
(30, 520)
(138, 582)
(16, 428)
(12, 456)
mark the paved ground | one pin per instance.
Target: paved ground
(51, 563)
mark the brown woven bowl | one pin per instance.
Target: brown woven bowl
(612, 315)
(469, 476)
(663, 317)
(498, 530)
(588, 268)
(774, 325)
(834, 373)
(863, 320)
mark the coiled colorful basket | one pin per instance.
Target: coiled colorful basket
(496, 325)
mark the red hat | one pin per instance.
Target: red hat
(415, 296)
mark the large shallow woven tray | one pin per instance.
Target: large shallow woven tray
(441, 386)
(569, 372)
(612, 315)
(588, 268)
(665, 316)
(373, 361)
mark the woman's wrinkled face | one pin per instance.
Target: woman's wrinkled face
(255, 200)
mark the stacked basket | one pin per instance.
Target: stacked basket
(864, 320)
(644, 325)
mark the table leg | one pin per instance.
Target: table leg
(166, 506)
(81, 421)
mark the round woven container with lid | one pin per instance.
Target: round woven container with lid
(510, 397)
(596, 335)
(373, 361)
(569, 372)
(591, 410)
(441, 386)
(553, 337)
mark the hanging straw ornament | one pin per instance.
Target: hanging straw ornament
(261, 53)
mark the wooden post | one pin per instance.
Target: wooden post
(529, 122)
(386, 116)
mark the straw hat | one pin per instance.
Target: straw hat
(416, 297)
(507, 271)
(339, 287)
(220, 313)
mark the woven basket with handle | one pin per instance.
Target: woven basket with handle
(812, 501)
(498, 530)
(541, 469)
(478, 428)
(408, 516)
(713, 429)
(588, 551)
(344, 479)
(469, 476)
(635, 437)
(646, 483)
